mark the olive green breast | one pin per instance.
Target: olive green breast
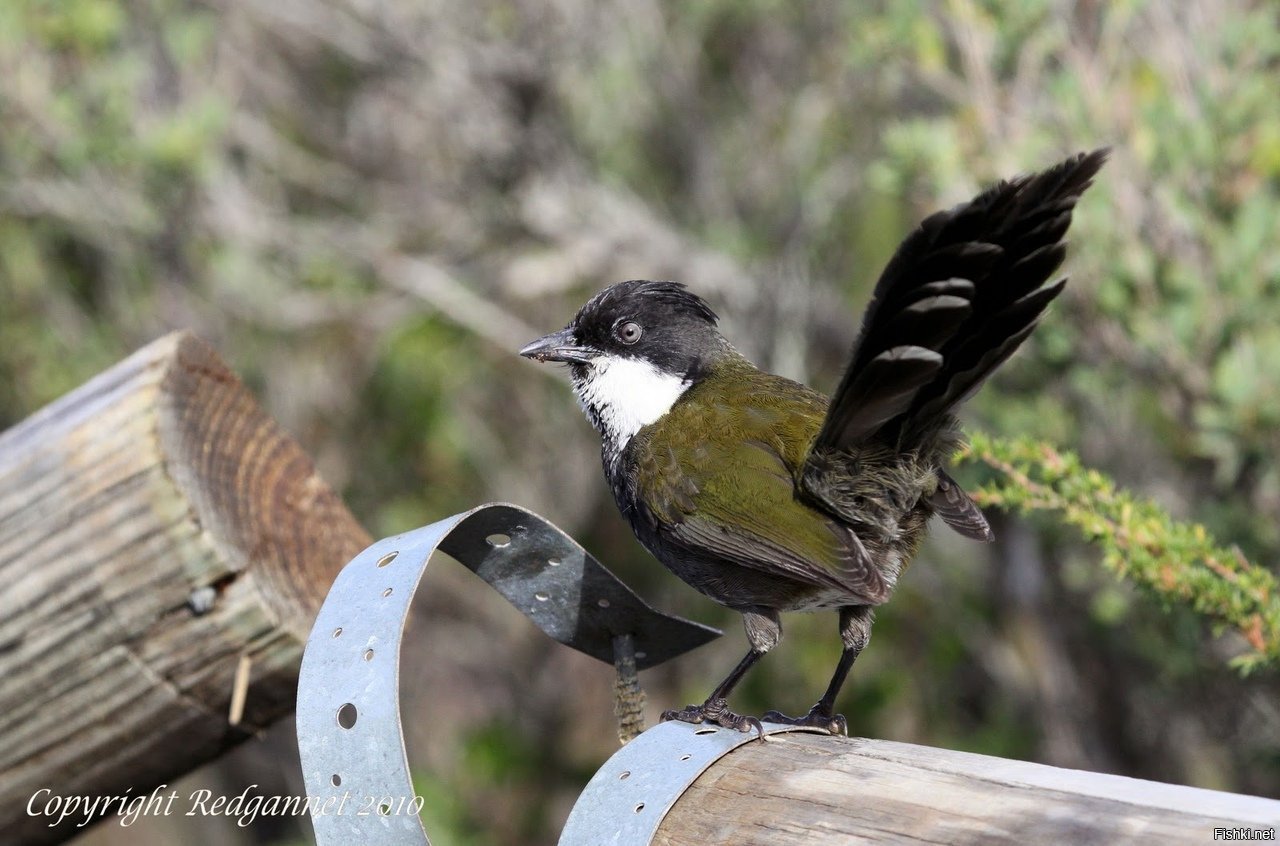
(719, 470)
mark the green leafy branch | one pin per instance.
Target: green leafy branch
(1179, 562)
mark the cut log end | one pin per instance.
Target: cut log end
(165, 547)
(251, 486)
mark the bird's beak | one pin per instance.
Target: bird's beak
(558, 346)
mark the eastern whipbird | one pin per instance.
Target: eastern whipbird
(766, 496)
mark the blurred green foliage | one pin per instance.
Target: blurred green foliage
(1178, 562)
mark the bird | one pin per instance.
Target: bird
(768, 497)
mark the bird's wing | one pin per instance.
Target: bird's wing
(730, 493)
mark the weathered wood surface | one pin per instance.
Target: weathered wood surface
(126, 507)
(806, 789)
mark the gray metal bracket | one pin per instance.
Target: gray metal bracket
(348, 713)
(627, 799)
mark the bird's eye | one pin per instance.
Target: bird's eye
(629, 332)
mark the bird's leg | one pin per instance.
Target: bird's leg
(764, 630)
(855, 632)
(716, 709)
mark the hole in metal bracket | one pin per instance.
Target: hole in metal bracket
(387, 559)
(347, 715)
(706, 731)
(639, 807)
(498, 540)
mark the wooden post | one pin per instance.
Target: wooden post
(164, 547)
(802, 789)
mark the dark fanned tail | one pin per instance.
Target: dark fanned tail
(959, 296)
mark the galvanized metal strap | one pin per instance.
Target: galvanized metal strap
(627, 799)
(348, 715)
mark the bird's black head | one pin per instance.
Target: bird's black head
(662, 323)
(633, 349)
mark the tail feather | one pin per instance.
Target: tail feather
(960, 294)
(1029, 273)
(894, 378)
(970, 368)
(929, 322)
(958, 510)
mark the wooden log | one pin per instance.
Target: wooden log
(159, 534)
(806, 789)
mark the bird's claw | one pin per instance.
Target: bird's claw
(816, 718)
(715, 711)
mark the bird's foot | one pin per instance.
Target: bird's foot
(819, 718)
(715, 711)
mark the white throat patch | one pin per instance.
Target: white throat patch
(622, 395)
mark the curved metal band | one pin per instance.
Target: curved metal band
(348, 711)
(627, 799)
